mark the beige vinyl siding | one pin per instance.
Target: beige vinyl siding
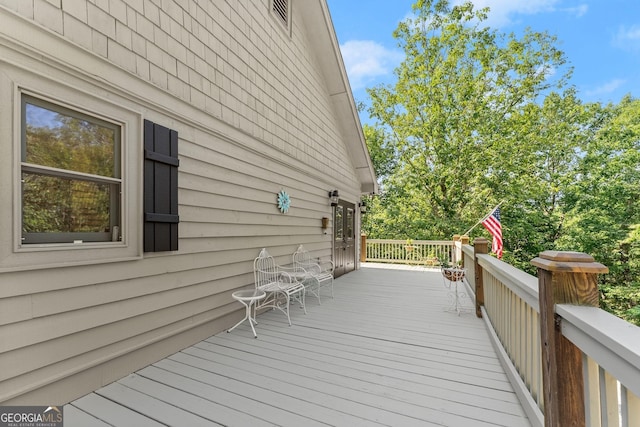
(254, 117)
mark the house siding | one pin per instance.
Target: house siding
(254, 116)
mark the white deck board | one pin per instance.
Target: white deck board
(197, 398)
(322, 366)
(108, 411)
(82, 418)
(149, 406)
(350, 378)
(383, 352)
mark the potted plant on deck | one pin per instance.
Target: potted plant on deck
(452, 272)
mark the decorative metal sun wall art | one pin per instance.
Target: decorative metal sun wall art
(283, 201)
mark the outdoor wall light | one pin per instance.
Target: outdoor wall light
(334, 196)
(325, 222)
(363, 207)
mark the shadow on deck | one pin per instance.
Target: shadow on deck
(383, 352)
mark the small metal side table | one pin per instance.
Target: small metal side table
(248, 298)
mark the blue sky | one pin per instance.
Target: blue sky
(600, 38)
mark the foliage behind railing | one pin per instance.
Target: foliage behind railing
(421, 252)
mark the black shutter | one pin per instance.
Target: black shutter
(160, 188)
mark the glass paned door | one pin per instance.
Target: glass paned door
(344, 238)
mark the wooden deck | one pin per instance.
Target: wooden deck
(383, 352)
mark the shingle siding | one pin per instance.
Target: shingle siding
(239, 40)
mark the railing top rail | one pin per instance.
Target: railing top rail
(468, 250)
(612, 342)
(522, 284)
(414, 242)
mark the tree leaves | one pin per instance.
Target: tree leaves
(476, 117)
(457, 95)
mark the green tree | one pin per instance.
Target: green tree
(603, 215)
(539, 166)
(477, 117)
(602, 205)
(381, 150)
(457, 94)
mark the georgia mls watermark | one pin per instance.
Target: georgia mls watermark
(31, 416)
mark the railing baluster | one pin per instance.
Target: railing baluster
(538, 364)
(608, 399)
(522, 335)
(513, 319)
(592, 391)
(529, 351)
(630, 408)
(400, 251)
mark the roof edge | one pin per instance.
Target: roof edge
(322, 34)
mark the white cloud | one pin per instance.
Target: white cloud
(366, 61)
(579, 11)
(502, 12)
(632, 34)
(606, 88)
(628, 38)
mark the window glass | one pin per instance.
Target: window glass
(350, 223)
(339, 223)
(70, 175)
(62, 141)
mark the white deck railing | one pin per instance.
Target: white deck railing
(611, 364)
(610, 346)
(465, 253)
(512, 309)
(422, 252)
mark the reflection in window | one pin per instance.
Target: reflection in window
(339, 223)
(70, 175)
(350, 224)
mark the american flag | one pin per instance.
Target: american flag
(492, 223)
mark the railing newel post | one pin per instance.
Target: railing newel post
(464, 240)
(563, 278)
(455, 252)
(363, 247)
(480, 246)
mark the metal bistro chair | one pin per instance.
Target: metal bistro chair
(316, 274)
(280, 285)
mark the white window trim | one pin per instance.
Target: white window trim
(17, 256)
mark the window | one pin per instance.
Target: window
(71, 175)
(71, 169)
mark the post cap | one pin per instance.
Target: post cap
(566, 261)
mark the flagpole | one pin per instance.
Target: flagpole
(477, 224)
(485, 217)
